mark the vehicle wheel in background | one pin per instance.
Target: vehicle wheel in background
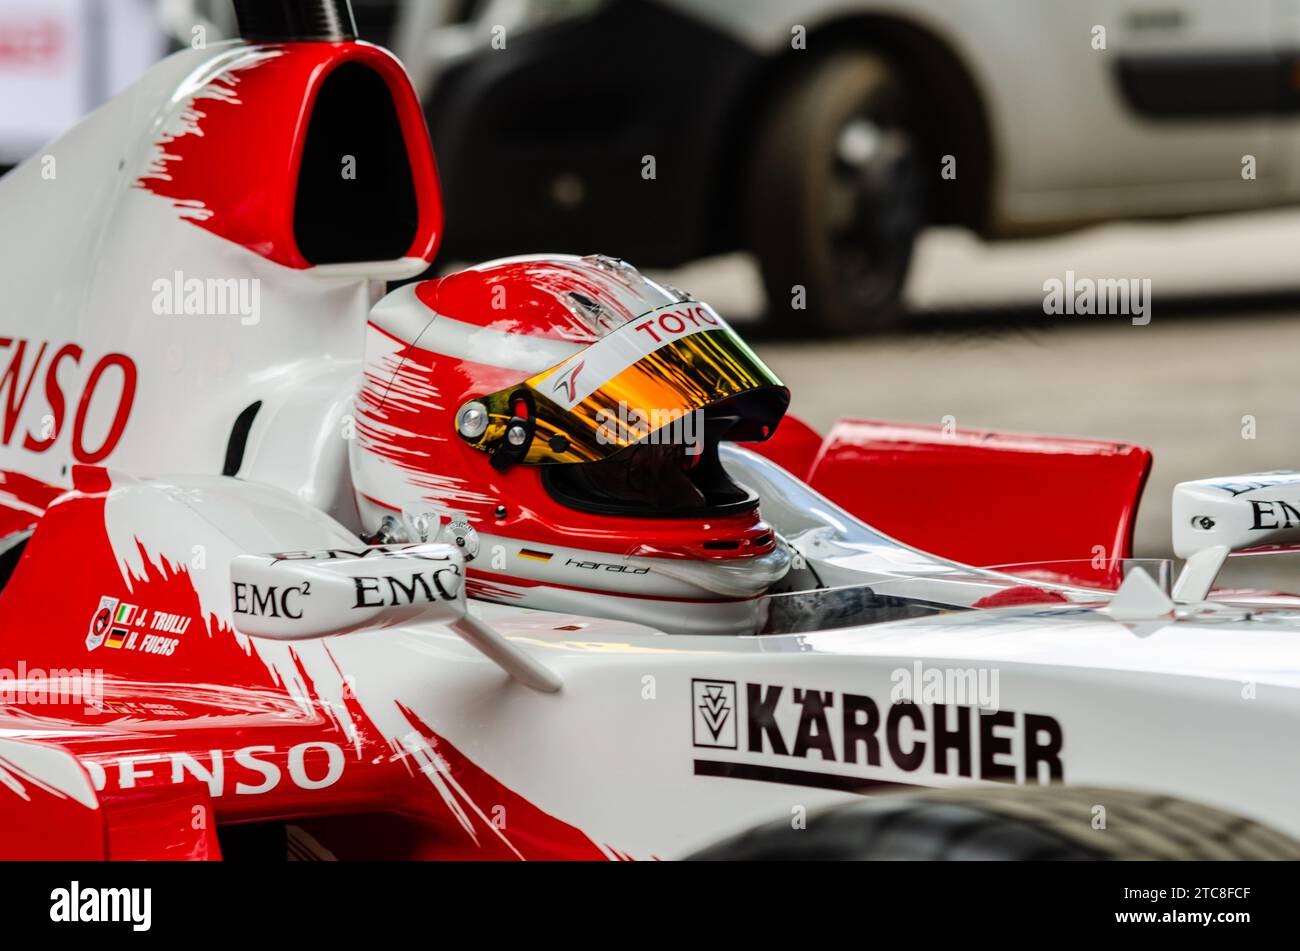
(835, 195)
(1012, 823)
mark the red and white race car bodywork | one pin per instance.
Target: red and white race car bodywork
(151, 446)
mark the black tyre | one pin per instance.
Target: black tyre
(1009, 824)
(835, 195)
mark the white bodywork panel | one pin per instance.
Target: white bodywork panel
(1201, 703)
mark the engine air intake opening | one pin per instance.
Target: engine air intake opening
(356, 194)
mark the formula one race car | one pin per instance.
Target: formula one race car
(524, 561)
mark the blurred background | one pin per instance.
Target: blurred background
(878, 191)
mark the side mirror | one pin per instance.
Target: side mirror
(1214, 517)
(300, 595)
(293, 596)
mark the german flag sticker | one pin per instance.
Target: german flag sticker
(116, 638)
(533, 555)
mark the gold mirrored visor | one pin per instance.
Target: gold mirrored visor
(648, 381)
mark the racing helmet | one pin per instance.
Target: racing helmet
(560, 418)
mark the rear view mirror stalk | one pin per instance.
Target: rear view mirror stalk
(293, 596)
(1212, 518)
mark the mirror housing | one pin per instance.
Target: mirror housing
(300, 595)
(1212, 518)
(292, 596)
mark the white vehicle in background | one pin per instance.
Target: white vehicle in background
(815, 132)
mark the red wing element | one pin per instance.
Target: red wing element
(988, 498)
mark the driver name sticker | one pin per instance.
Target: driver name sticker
(116, 625)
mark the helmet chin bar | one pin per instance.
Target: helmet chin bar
(648, 480)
